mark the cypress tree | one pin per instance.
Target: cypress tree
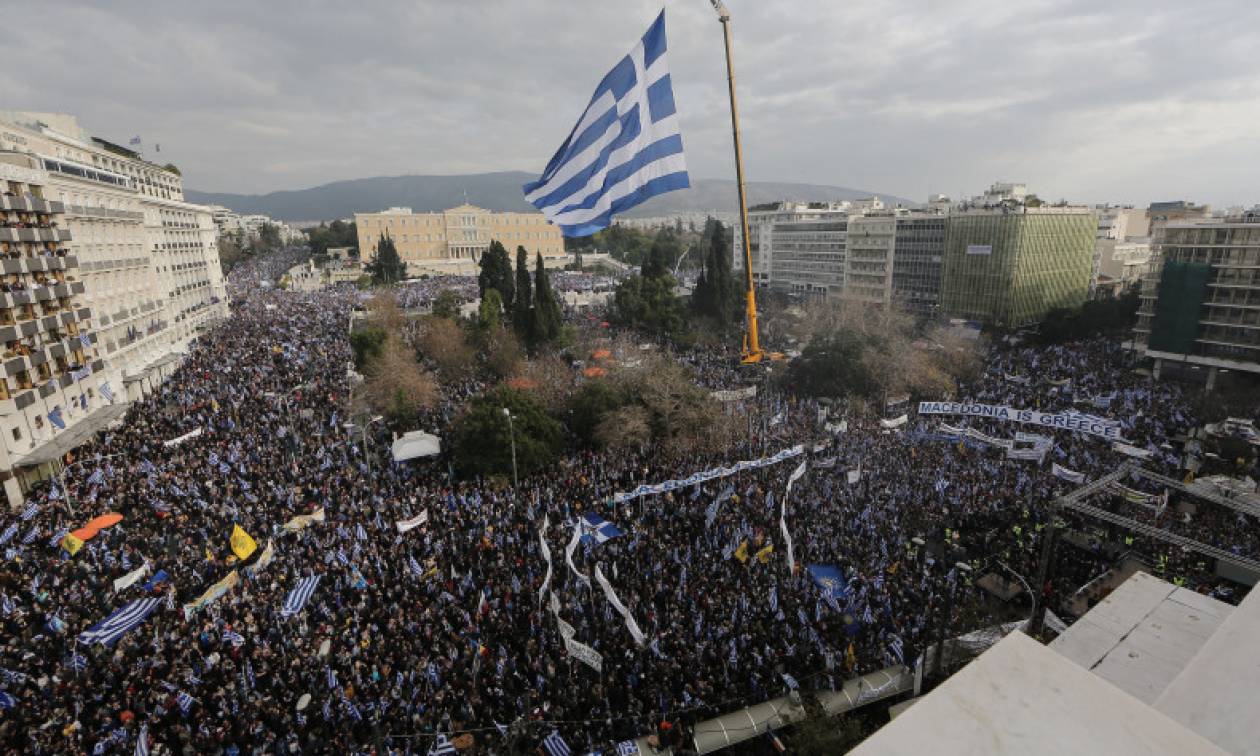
(547, 318)
(496, 273)
(522, 318)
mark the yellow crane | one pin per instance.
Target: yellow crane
(752, 353)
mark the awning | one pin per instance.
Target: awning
(74, 436)
(416, 444)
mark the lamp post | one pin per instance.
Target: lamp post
(512, 435)
(363, 430)
(942, 628)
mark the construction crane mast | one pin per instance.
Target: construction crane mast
(752, 346)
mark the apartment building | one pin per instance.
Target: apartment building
(1200, 304)
(454, 240)
(796, 247)
(1122, 250)
(52, 387)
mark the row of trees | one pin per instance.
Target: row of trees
(331, 235)
(236, 246)
(529, 305)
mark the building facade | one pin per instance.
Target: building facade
(51, 377)
(147, 260)
(1200, 304)
(1009, 265)
(454, 240)
(796, 247)
(917, 259)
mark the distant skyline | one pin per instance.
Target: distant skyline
(1123, 102)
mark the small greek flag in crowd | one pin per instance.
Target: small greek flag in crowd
(790, 681)
(625, 148)
(80, 374)
(106, 391)
(30, 537)
(185, 701)
(442, 747)
(117, 624)
(897, 649)
(332, 677)
(78, 662)
(54, 417)
(300, 594)
(554, 745)
(236, 639)
(142, 741)
(627, 748)
(84, 341)
(8, 533)
(596, 530)
(7, 701)
(97, 477)
(774, 600)
(6, 604)
(29, 512)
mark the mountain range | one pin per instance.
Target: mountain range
(498, 191)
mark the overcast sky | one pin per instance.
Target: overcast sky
(1122, 101)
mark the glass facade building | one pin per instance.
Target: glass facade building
(1010, 266)
(917, 259)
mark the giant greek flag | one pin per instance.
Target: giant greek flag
(625, 149)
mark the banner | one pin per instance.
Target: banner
(211, 595)
(1017, 379)
(855, 475)
(303, 521)
(895, 422)
(264, 559)
(707, 475)
(1004, 443)
(181, 439)
(546, 552)
(568, 555)
(1065, 474)
(414, 522)
(1131, 451)
(837, 428)
(734, 395)
(787, 537)
(1095, 426)
(131, 578)
(579, 651)
(621, 608)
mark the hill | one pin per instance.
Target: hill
(495, 191)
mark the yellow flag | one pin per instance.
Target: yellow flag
(71, 544)
(763, 556)
(850, 658)
(742, 552)
(242, 544)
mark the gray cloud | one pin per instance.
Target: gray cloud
(1127, 101)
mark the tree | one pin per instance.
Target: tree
(386, 266)
(446, 304)
(547, 319)
(716, 294)
(490, 312)
(483, 437)
(589, 404)
(442, 341)
(496, 273)
(627, 428)
(269, 237)
(648, 304)
(396, 386)
(366, 343)
(522, 317)
(833, 366)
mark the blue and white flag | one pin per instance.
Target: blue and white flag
(54, 417)
(7, 701)
(596, 530)
(300, 594)
(790, 681)
(626, 147)
(442, 746)
(897, 649)
(142, 741)
(185, 701)
(554, 745)
(30, 511)
(8, 533)
(236, 639)
(106, 392)
(78, 662)
(627, 748)
(115, 625)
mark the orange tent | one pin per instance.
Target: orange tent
(522, 384)
(594, 372)
(601, 354)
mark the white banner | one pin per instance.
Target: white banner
(896, 422)
(1019, 379)
(1065, 474)
(130, 579)
(414, 522)
(303, 521)
(734, 395)
(183, 438)
(855, 475)
(546, 552)
(701, 477)
(787, 537)
(621, 608)
(1074, 422)
(1131, 451)
(1004, 443)
(584, 654)
(837, 428)
(264, 559)
(568, 554)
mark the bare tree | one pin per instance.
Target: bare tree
(395, 384)
(444, 342)
(548, 377)
(628, 428)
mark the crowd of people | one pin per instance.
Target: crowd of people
(463, 626)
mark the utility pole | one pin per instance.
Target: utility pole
(752, 346)
(512, 435)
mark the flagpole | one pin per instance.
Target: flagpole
(752, 347)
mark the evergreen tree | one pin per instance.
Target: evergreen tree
(547, 317)
(386, 266)
(657, 262)
(717, 293)
(522, 318)
(496, 273)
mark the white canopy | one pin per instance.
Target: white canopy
(416, 444)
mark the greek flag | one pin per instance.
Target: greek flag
(30, 537)
(29, 512)
(625, 148)
(8, 533)
(554, 745)
(236, 639)
(774, 600)
(96, 478)
(185, 701)
(78, 662)
(106, 391)
(442, 747)
(895, 646)
(299, 595)
(627, 748)
(115, 625)
(142, 741)
(54, 417)
(596, 530)
(790, 681)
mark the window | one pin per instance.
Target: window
(17, 434)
